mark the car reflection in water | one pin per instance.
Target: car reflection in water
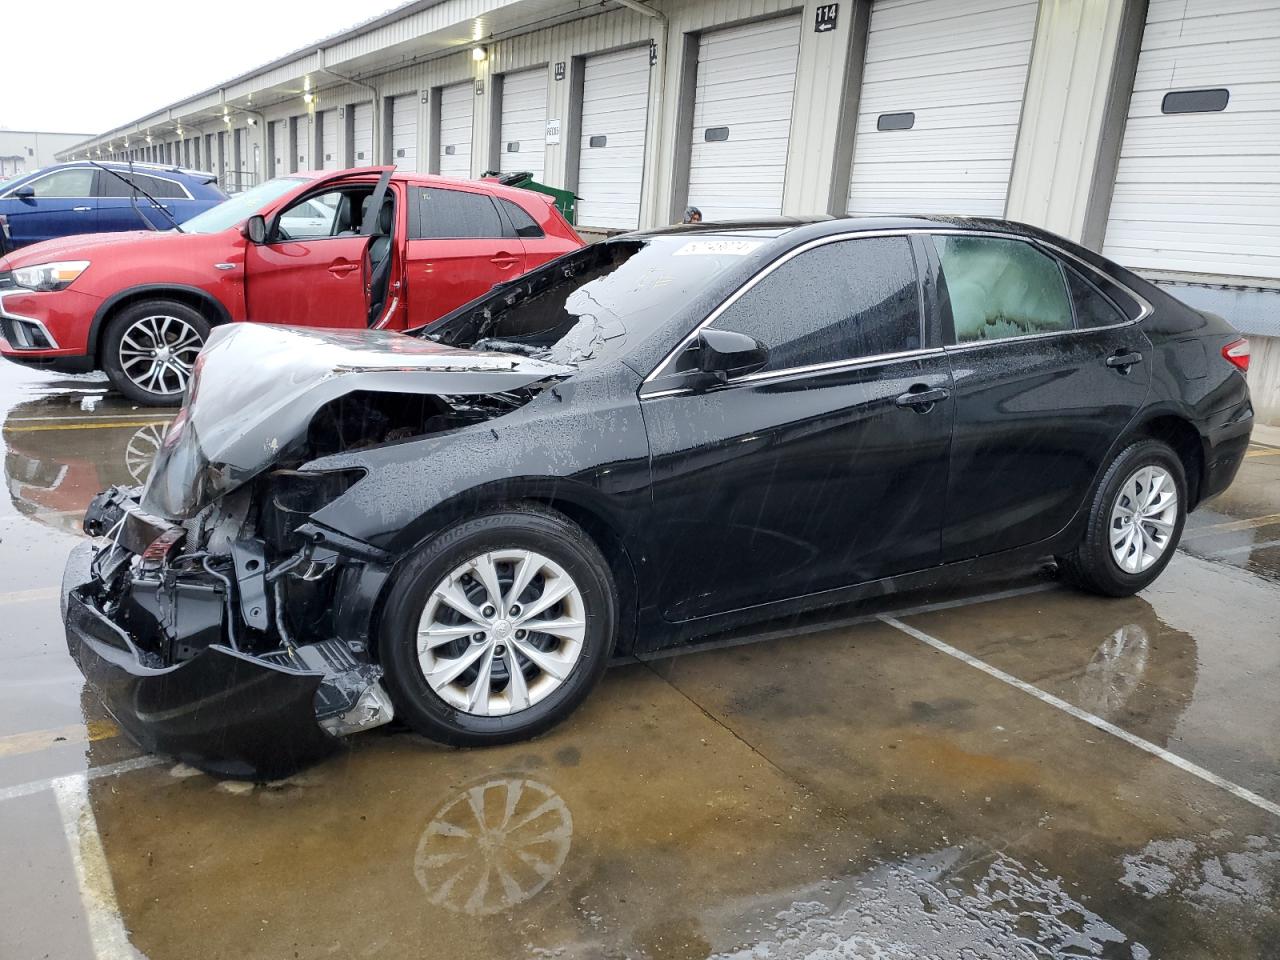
(58, 455)
(493, 845)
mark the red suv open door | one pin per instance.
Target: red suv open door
(315, 267)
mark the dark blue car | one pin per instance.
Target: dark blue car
(84, 197)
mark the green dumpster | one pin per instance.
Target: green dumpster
(566, 200)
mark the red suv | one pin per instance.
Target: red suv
(307, 249)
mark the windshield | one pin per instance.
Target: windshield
(592, 301)
(240, 207)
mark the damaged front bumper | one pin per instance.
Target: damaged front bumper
(255, 716)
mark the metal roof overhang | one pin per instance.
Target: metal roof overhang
(413, 33)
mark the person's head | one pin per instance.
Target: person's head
(692, 215)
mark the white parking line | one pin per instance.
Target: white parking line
(1248, 796)
(97, 891)
(93, 773)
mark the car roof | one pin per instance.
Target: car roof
(136, 166)
(789, 231)
(825, 224)
(422, 179)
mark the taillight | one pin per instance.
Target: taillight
(1237, 353)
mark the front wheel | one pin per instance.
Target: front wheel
(150, 349)
(1135, 522)
(498, 628)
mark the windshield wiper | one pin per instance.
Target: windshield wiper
(133, 197)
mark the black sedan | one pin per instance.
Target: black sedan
(652, 438)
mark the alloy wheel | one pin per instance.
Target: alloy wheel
(157, 353)
(1143, 518)
(501, 632)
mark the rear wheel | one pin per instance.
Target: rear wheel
(1134, 523)
(150, 349)
(499, 628)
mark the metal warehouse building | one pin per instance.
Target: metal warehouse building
(1148, 130)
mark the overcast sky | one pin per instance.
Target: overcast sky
(90, 66)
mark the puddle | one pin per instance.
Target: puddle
(1209, 875)
(947, 905)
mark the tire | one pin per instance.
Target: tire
(153, 326)
(450, 712)
(1095, 565)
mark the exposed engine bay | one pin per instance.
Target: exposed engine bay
(218, 559)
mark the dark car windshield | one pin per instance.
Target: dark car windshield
(240, 207)
(592, 301)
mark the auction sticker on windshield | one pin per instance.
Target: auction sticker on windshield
(713, 248)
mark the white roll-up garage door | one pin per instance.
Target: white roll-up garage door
(302, 141)
(362, 135)
(1198, 184)
(456, 106)
(522, 141)
(404, 132)
(329, 159)
(279, 147)
(938, 113)
(742, 119)
(615, 105)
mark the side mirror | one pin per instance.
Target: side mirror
(25, 192)
(255, 229)
(725, 354)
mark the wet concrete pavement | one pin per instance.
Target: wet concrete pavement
(877, 782)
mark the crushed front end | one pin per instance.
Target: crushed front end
(218, 622)
(217, 648)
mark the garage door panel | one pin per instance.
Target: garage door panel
(909, 13)
(615, 105)
(1201, 192)
(362, 135)
(524, 122)
(457, 104)
(746, 82)
(404, 132)
(961, 69)
(303, 132)
(329, 141)
(1001, 84)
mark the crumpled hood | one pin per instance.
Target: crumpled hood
(256, 388)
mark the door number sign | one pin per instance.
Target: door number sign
(824, 18)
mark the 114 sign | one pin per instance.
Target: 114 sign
(824, 19)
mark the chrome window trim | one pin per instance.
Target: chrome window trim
(1145, 308)
(186, 194)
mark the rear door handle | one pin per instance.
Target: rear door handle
(923, 399)
(1123, 360)
(343, 268)
(81, 209)
(504, 260)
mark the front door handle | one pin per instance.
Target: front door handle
(81, 209)
(342, 269)
(921, 398)
(1122, 360)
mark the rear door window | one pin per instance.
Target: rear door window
(452, 215)
(1001, 289)
(847, 300)
(110, 186)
